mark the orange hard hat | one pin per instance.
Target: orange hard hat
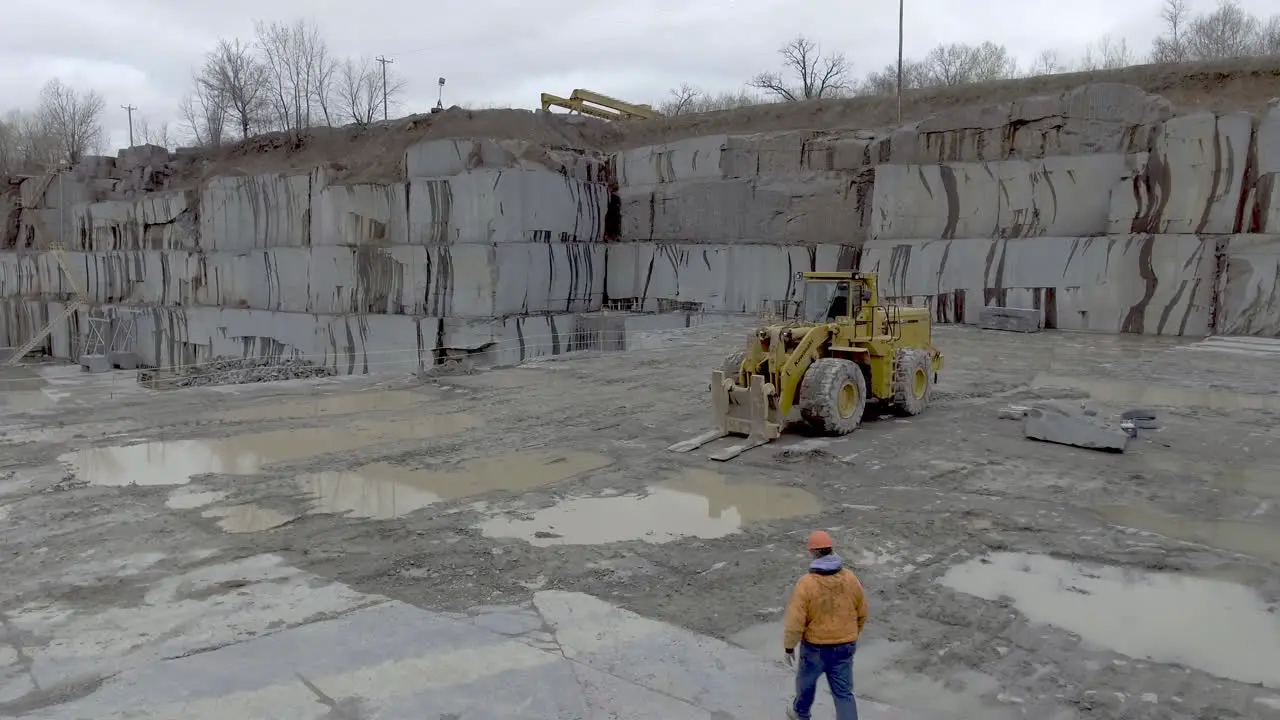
(820, 540)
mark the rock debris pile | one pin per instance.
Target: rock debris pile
(241, 371)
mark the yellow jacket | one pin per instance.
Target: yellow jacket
(828, 606)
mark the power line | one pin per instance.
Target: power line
(385, 62)
(129, 109)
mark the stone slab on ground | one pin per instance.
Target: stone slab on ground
(570, 656)
(95, 363)
(1050, 425)
(1010, 319)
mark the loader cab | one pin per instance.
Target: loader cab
(832, 297)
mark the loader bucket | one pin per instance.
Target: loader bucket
(739, 411)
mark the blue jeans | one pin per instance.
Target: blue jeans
(836, 662)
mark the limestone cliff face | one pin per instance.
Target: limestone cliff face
(1099, 206)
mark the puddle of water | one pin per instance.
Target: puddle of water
(189, 501)
(25, 401)
(1259, 479)
(174, 462)
(1157, 616)
(695, 503)
(248, 518)
(1248, 538)
(1119, 392)
(384, 491)
(313, 406)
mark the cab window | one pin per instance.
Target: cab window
(826, 301)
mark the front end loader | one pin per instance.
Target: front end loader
(842, 349)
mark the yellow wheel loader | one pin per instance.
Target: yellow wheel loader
(841, 349)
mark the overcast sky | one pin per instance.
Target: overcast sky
(506, 52)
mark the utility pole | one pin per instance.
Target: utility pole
(129, 109)
(901, 3)
(385, 62)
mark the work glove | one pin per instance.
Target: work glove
(791, 658)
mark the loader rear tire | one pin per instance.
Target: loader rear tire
(912, 381)
(833, 396)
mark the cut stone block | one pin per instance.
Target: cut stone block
(653, 277)
(95, 363)
(506, 206)
(124, 360)
(1048, 425)
(1142, 284)
(1057, 196)
(1024, 320)
(256, 211)
(1248, 286)
(1192, 181)
(360, 215)
(697, 158)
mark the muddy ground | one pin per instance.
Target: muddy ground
(1008, 578)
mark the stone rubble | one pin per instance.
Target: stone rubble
(241, 371)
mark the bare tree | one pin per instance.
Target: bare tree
(73, 119)
(885, 82)
(961, 64)
(158, 134)
(1226, 32)
(1048, 62)
(204, 113)
(358, 92)
(1108, 53)
(11, 159)
(323, 78)
(1269, 37)
(298, 70)
(687, 99)
(233, 77)
(681, 102)
(816, 75)
(1171, 47)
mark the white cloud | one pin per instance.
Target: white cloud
(505, 52)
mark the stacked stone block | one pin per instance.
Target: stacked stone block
(723, 223)
(1137, 230)
(1097, 207)
(488, 247)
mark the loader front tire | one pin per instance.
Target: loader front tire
(912, 381)
(833, 396)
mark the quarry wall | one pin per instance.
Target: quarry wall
(1097, 206)
(1100, 206)
(478, 250)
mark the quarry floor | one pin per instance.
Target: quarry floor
(478, 545)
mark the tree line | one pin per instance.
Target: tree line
(808, 73)
(285, 78)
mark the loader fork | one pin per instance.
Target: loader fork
(736, 410)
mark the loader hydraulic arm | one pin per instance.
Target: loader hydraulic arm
(792, 369)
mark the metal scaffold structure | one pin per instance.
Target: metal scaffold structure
(78, 301)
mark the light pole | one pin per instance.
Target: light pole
(901, 3)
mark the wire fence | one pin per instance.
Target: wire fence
(285, 364)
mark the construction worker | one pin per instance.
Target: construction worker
(824, 617)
